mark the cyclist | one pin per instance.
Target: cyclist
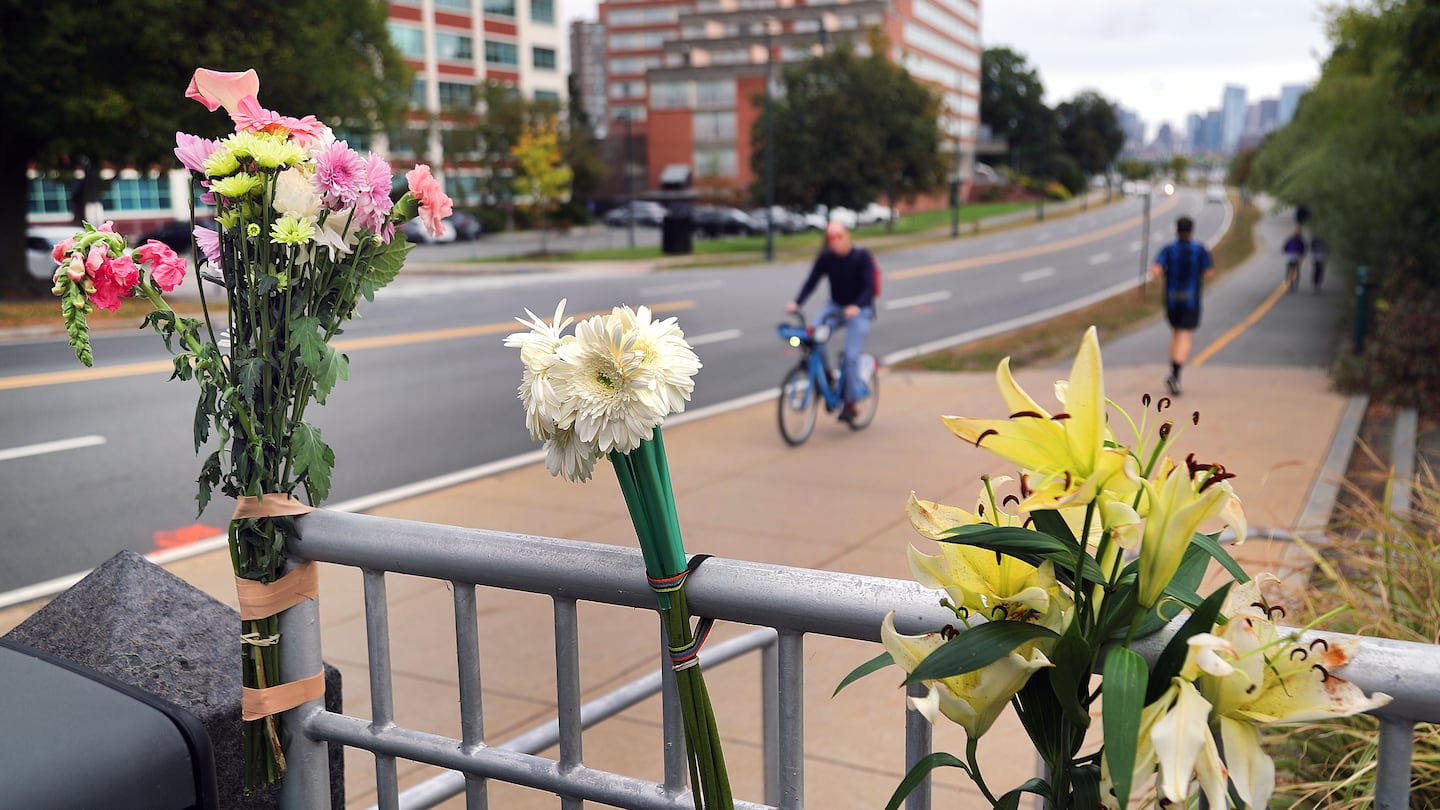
(1294, 250)
(850, 272)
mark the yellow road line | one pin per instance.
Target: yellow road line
(384, 341)
(1234, 331)
(1036, 250)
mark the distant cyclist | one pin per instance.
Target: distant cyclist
(850, 272)
(1294, 250)
(1184, 264)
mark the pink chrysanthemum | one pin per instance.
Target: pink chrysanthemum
(373, 205)
(193, 150)
(339, 171)
(209, 243)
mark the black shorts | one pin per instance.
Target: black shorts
(1183, 317)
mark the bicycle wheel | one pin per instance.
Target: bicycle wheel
(865, 408)
(799, 405)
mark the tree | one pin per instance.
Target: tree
(1090, 132)
(580, 148)
(1012, 104)
(542, 179)
(92, 83)
(832, 149)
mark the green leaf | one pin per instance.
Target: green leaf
(875, 664)
(921, 770)
(1172, 658)
(1050, 522)
(1070, 677)
(1011, 799)
(209, 477)
(313, 460)
(249, 376)
(383, 267)
(1040, 713)
(976, 647)
(204, 406)
(1085, 786)
(1124, 680)
(1028, 545)
(1210, 543)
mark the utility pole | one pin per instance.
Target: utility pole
(1144, 241)
(624, 115)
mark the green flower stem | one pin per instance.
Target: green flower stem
(972, 745)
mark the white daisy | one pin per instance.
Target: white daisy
(601, 378)
(668, 357)
(566, 455)
(545, 407)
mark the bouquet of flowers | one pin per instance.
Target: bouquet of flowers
(1054, 583)
(604, 391)
(306, 227)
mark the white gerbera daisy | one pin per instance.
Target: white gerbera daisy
(602, 379)
(545, 407)
(667, 356)
(566, 455)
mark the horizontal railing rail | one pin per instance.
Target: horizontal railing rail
(793, 601)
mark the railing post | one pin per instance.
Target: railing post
(1392, 768)
(307, 779)
(917, 746)
(770, 720)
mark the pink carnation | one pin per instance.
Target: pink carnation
(167, 269)
(434, 203)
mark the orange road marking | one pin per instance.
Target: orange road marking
(1234, 331)
(185, 535)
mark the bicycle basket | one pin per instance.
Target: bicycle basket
(794, 335)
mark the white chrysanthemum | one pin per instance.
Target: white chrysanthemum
(566, 455)
(601, 377)
(667, 356)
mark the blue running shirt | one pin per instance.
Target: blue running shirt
(1185, 263)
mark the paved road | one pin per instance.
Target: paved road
(431, 390)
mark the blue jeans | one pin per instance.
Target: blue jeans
(856, 330)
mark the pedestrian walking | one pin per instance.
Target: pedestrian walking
(1184, 264)
(1319, 253)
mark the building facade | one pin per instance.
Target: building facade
(587, 71)
(683, 74)
(453, 45)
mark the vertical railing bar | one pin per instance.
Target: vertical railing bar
(770, 720)
(791, 692)
(917, 746)
(382, 697)
(1394, 760)
(307, 781)
(472, 709)
(676, 769)
(567, 690)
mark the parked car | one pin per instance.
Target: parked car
(415, 232)
(873, 214)
(812, 220)
(467, 226)
(40, 241)
(1215, 193)
(644, 212)
(785, 221)
(175, 234)
(714, 221)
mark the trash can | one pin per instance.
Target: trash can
(76, 738)
(677, 232)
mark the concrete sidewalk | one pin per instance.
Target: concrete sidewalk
(836, 503)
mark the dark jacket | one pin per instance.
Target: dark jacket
(851, 277)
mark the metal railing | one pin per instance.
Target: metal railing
(793, 602)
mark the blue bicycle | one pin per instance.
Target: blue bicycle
(814, 381)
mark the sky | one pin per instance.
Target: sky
(1163, 60)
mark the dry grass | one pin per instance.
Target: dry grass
(1052, 340)
(1382, 566)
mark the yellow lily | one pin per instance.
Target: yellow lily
(973, 700)
(1175, 510)
(1069, 453)
(1252, 674)
(980, 581)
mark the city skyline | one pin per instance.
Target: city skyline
(1149, 59)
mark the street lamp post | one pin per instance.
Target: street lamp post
(624, 115)
(769, 146)
(1144, 240)
(955, 194)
